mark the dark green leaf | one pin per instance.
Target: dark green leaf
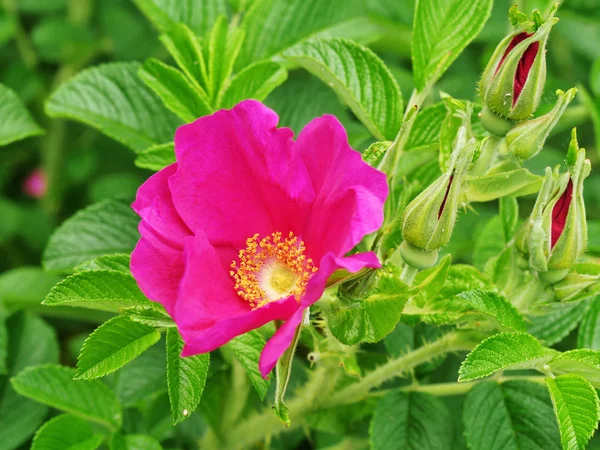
(66, 432)
(256, 81)
(15, 121)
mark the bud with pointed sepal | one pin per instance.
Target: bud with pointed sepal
(527, 138)
(555, 236)
(513, 81)
(428, 220)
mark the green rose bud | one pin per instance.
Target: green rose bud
(513, 81)
(527, 138)
(555, 235)
(429, 219)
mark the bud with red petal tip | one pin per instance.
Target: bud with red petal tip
(513, 81)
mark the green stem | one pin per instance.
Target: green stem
(408, 274)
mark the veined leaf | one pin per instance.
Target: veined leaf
(577, 409)
(442, 30)
(103, 228)
(114, 100)
(66, 432)
(510, 416)
(186, 377)
(516, 183)
(560, 320)
(582, 362)
(255, 81)
(112, 345)
(199, 15)
(247, 349)
(425, 132)
(359, 77)
(106, 290)
(15, 121)
(589, 332)
(119, 262)
(509, 212)
(157, 157)
(411, 420)
(54, 386)
(493, 304)
(150, 316)
(504, 351)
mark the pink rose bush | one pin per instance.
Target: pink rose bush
(248, 225)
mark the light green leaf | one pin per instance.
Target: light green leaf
(582, 362)
(66, 432)
(186, 377)
(359, 77)
(25, 287)
(54, 386)
(105, 290)
(411, 420)
(176, 92)
(119, 262)
(589, 332)
(515, 415)
(557, 322)
(509, 212)
(137, 442)
(247, 348)
(441, 31)
(504, 351)
(156, 157)
(150, 316)
(515, 183)
(255, 81)
(425, 132)
(114, 100)
(273, 26)
(15, 121)
(199, 15)
(112, 345)
(103, 228)
(495, 305)
(577, 409)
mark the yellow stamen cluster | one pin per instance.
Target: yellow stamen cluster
(272, 268)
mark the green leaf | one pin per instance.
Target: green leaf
(256, 81)
(119, 262)
(186, 377)
(156, 158)
(359, 77)
(112, 345)
(150, 316)
(495, 305)
(489, 243)
(372, 316)
(560, 319)
(411, 420)
(103, 228)
(54, 386)
(577, 409)
(582, 362)
(247, 348)
(504, 351)
(589, 331)
(442, 30)
(273, 26)
(199, 15)
(515, 415)
(114, 100)
(425, 132)
(509, 212)
(66, 432)
(515, 183)
(105, 290)
(176, 92)
(134, 442)
(25, 287)
(15, 121)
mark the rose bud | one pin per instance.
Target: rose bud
(556, 234)
(513, 81)
(429, 219)
(527, 138)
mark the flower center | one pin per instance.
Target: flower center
(271, 269)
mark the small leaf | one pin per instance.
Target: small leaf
(114, 100)
(119, 262)
(514, 415)
(15, 121)
(112, 345)
(157, 157)
(105, 290)
(425, 132)
(411, 420)
(359, 77)
(509, 212)
(247, 348)
(54, 386)
(495, 305)
(515, 183)
(504, 351)
(66, 432)
(441, 31)
(150, 316)
(577, 409)
(186, 377)
(255, 81)
(103, 228)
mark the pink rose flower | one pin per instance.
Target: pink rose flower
(35, 185)
(247, 226)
